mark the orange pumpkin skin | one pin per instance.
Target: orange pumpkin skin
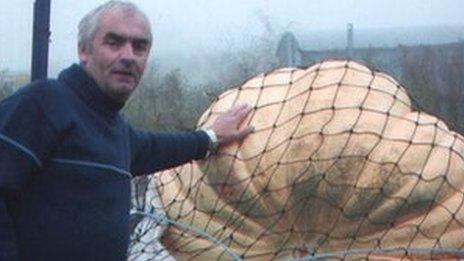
(338, 161)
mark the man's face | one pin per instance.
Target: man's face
(119, 53)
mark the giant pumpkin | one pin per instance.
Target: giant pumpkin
(339, 166)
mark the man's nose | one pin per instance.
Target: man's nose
(127, 52)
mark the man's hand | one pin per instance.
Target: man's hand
(226, 126)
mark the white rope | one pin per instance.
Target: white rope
(166, 220)
(337, 254)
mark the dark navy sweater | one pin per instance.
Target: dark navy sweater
(66, 161)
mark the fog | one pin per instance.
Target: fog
(186, 30)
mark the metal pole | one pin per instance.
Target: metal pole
(349, 40)
(40, 38)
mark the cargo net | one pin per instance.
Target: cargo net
(339, 167)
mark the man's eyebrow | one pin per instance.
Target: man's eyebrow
(115, 36)
(120, 37)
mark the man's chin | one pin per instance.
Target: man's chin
(126, 85)
(122, 92)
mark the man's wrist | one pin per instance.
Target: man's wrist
(213, 145)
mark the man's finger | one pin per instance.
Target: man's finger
(244, 132)
(241, 114)
(234, 109)
(237, 110)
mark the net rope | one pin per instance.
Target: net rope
(339, 167)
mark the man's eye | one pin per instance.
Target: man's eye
(140, 45)
(114, 41)
(111, 41)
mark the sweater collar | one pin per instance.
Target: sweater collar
(87, 89)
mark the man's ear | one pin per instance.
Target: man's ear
(83, 53)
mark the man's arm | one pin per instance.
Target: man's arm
(25, 140)
(8, 246)
(155, 151)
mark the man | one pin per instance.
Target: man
(66, 156)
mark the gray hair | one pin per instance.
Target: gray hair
(88, 26)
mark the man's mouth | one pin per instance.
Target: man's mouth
(124, 73)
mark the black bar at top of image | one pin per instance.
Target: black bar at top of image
(40, 39)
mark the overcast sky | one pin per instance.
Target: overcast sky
(185, 26)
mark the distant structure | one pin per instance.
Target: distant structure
(289, 52)
(349, 40)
